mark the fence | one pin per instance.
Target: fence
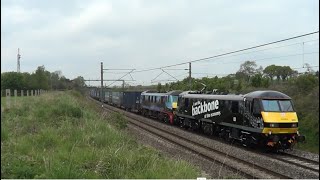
(14, 94)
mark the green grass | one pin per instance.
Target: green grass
(307, 107)
(61, 135)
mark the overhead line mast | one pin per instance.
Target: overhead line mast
(18, 61)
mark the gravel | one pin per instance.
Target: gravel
(213, 170)
(307, 155)
(209, 169)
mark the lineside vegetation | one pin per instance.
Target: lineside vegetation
(61, 135)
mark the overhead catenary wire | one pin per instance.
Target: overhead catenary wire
(163, 71)
(153, 81)
(224, 54)
(169, 74)
(120, 78)
(268, 58)
(277, 57)
(277, 47)
(229, 53)
(274, 57)
(305, 67)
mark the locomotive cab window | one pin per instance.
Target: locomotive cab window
(174, 98)
(277, 105)
(270, 105)
(286, 105)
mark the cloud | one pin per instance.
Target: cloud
(74, 36)
(17, 15)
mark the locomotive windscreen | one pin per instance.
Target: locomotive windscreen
(277, 105)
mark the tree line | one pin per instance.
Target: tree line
(40, 79)
(247, 77)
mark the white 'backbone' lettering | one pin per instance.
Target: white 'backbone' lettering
(203, 107)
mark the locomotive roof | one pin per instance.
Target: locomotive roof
(213, 96)
(134, 91)
(161, 94)
(267, 95)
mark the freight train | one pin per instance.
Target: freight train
(260, 118)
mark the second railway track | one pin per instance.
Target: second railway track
(298, 161)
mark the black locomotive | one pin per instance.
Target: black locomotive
(265, 118)
(257, 118)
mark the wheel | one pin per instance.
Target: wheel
(181, 123)
(166, 119)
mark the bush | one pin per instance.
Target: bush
(119, 120)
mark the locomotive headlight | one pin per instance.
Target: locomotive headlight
(274, 125)
(294, 125)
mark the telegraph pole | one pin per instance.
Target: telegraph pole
(18, 60)
(101, 91)
(189, 75)
(101, 80)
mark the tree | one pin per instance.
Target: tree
(256, 80)
(166, 87)
(309, 68)
(259, 70)
(282, 72)
(270, 71)
(42, 78)
(306, 82)
(54, 78)
(159, 87)
(285, 71)
(240, 75)
(12, 80)
(247, 69)
(28, 81)
(78, 82)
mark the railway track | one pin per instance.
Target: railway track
(286, 157)
(247, 169)
(298, 161)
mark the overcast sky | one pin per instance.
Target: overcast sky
(74, 36)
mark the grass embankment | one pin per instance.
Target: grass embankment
(307, 107)
(61, 135)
